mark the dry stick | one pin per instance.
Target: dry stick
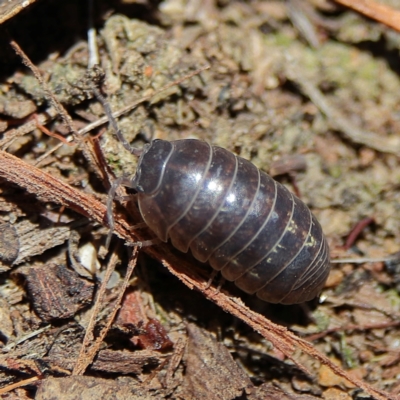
(27, 126)
(298, 12)
(319, 335)
(56, 104)
(54, 134)
(19, 384)
(276, 333)
(361, 260)
(48, 188)
(89, 336)
(21, 339)
(51, 189)
(378, 12)
(51, 151)
(86, 356)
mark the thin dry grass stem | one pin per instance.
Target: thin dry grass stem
(56, 104)
(53, 134)
(48, 153)
(319, 335)
(10, 345)
(50, 189)
(89, 335)
(279, 336)
(379, 12)
(16, 385)
(88, 352)
(27, 126)
(298, 12)
(361, 260)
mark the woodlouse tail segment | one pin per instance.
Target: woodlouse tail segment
(283, 254)
(303, 277)
(308, 278)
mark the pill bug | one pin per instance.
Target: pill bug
(233, 216)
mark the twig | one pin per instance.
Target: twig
(57, 105)
(360, 260)
(51, 151)
(19, 384)
(22, 339)
(356, 230)
(53, 134)
(86, 356)
(376, 11)
(28, 126)
(51, 189)
(297, 12)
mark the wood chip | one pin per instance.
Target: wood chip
(125, 362)
(9, 245)
(211, 372)
(57, 292)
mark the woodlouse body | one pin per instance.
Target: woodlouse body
(234, 216)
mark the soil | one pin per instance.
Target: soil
(306, 90)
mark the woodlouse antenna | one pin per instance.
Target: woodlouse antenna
(124, 181)
(131, 183)
(113, 123)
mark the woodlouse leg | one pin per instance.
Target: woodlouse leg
(129, 197)
(221, 282)
(139, 225)
(145, 243)
(124, 181)
(213, 275)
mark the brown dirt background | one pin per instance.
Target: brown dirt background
(329, 93)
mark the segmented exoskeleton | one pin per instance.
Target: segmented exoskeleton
(233, 216)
